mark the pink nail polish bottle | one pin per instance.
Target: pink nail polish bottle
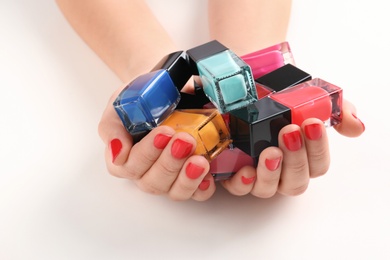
(269, 59)
(227, 163)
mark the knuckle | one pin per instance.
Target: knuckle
(319, 163)
(318, 155)
(187, 188)
(295, 191)
(298, 167)
(202, 196)
(264, 194)
(319, 171)
(168, 169)
(132, 173)
(150, 188)
(270, 181)
(176, 197)
(237, 191)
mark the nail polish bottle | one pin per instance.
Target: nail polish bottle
(230, 161)
(257, 126)
(150, 98)
(206, 126)
(227, 80)
(266, 60)
(314, 98)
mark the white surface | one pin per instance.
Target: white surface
(57, 200)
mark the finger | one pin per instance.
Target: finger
(242, 182)
(295, 175)
(268, 173)
(189, 87)
(205, 189)
(162, 174)
(317, 147)
(146, 152)
(117, 140)
(189, 178)
(351, 125)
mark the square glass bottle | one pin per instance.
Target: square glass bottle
(227, 80)
(269, 59)
(206, 126)
(150, 98)
(256, 127)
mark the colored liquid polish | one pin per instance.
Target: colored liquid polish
(206, 126)
(263, 91)
(231, 160)
(227, 80)
(269, 59)
(315, 98)
(150, 98)
(257, 126)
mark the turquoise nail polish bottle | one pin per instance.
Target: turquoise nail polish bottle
(227, 80)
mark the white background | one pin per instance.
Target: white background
(57, 200)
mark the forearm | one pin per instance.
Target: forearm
(249, 25)
(124, 34)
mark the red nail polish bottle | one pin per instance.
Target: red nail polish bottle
(257, 126)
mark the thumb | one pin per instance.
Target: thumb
(111, 130)
(351, 125)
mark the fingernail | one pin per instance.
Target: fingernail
(364, 127)
(272, 164)
(313, 131)
(180, 149)
(246, 180)
(161, 140)
(116, 147)
(293, 140)
(204, 185)
(194, 171)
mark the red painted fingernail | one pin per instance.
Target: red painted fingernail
(161, 140)
(116, 147)
(246, 180)
(194, 171)
(204, 185)
(180, 149)
(313, 131)
(272, 164)
(293, 140)
(364, 127)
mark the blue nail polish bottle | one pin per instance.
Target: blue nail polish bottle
(150, 98)
(227, 80)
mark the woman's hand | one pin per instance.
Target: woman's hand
(160, 163)
(303, 153)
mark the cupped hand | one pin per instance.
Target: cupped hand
(160, 163)
(303, 153)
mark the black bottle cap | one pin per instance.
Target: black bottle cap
(256, 127)
(203, 51)
(284, 77)
(190, 101)
(177, 67)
